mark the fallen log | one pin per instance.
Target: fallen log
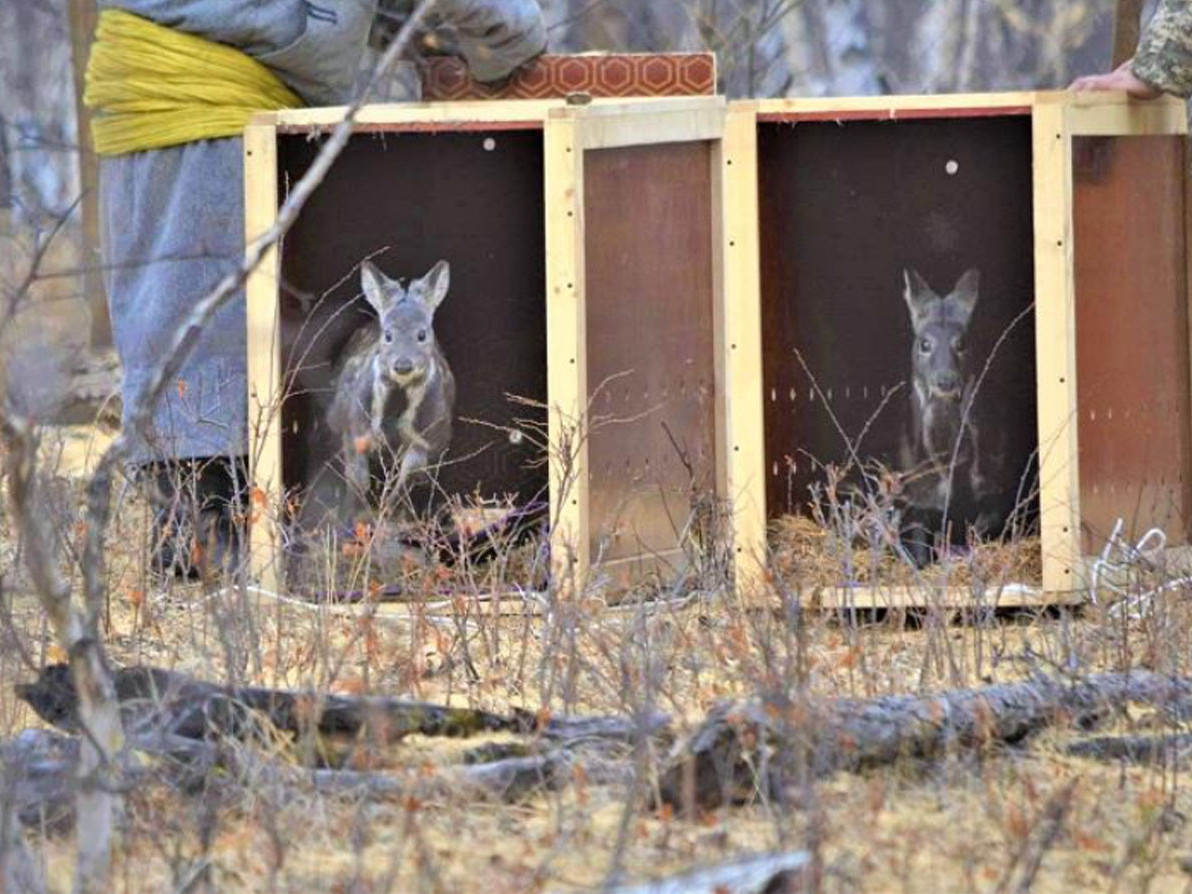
(763, 874)
(509, 780)
(744, 750)
(40, 771)
(153, 698)
(1134, 749)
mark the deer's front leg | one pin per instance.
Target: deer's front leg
(413, 461)
(356, 480)
(395, 497)
(977, 480)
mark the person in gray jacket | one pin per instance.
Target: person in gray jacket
(173, 225)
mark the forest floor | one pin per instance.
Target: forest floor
(984, 823)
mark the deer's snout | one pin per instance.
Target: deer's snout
(946, 384)
(403, 366)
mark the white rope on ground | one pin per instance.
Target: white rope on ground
(1116, 559)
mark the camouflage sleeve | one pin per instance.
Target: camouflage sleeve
(1164, 57)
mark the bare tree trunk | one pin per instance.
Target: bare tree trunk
(1126, 24)
(20, 872)
(82, 31)
(98, 804)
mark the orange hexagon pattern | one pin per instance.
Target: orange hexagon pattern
(605, 75)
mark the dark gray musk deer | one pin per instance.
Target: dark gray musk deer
(394, 392)
(939, 453)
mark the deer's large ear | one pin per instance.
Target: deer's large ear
(965, 293)
(917, 293)
(432, 288)
(375, 285)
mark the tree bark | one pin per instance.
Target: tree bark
(745, 750)
(1134, 749)
(155, 699)
(1127, 23)
(19, 871)
(42, 766)
(152, 698)
(82, 31)
(96, 712)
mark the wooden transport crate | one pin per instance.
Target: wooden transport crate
(584, 243)
(1071, 206)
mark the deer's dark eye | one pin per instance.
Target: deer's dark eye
(925, 346)
(422, 335)
(959, 346)
(388, 337)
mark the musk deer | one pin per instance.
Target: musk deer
(394, 392)
(939, 454)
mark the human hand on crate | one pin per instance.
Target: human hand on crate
(1121, 78)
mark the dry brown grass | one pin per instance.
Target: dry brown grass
(820, 557)
(957, 825)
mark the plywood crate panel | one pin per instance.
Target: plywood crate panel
(1072, 208)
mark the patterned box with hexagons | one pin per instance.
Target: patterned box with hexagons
(602, 75)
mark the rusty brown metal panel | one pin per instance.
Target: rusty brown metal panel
(651, 366)
(1131, 336)
(473, 198)
(845, 208)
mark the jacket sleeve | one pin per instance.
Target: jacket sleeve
(1164, 57)
(495, 36)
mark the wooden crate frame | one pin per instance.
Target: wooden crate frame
(1057, 117)
(569, 133)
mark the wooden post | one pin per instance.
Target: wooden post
(265, 386)
(1126, 16)
(566, 354)
(742, 343)
(82, 30)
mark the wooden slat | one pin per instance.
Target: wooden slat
(1055, 340)
(479, 111)
(566, 358)
(1185, 286)
(679, 126)
(1111, 113)
(264, 355)
(719, 208)
(745, 484)
(1161, 116)
(892, 106)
